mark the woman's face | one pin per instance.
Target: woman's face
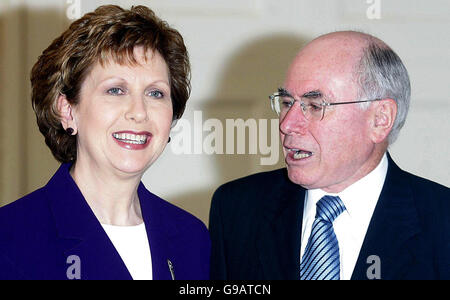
(124, 115)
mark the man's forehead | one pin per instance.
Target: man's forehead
(324, 56)
(328, 74)
(299, 88)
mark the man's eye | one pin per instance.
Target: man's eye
(286, 102)
(115, 91)
(315, 106)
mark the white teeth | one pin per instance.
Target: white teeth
(299, 154)
(131, 138)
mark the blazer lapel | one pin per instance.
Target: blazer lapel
(160, 233)
(393, 225)
(80, 232)
(278, 241)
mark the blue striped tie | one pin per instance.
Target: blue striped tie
(321, 258)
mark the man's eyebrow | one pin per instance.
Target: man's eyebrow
(283, 91)
(312, 94)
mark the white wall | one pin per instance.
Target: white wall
(240, 50)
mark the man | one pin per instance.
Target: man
(342, 209)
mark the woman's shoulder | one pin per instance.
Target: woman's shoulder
(23, 218)
(24, 210)
(25, 223)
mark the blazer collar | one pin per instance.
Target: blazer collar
(394, 222)
(74, 218)
(83, 235)
(278, 241)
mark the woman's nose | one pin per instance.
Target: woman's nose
(137, 110)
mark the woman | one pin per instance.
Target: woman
(106, 93)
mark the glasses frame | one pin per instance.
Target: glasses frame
(324, 104)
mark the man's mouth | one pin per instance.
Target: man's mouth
(299, 153)
(132, 138)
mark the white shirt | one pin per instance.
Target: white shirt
(351, 226)
(131, 243)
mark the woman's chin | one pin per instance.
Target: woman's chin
(132, 167)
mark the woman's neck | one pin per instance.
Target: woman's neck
(112, 198)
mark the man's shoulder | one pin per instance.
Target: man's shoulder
(431, 199)
(252, 191)
(429, 194)
(255, 183)
(421, 187)
(424, 184)
(426, 188)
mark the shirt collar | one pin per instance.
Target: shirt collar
(361, 197)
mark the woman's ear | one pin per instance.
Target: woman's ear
(66, 114)
(384, 114)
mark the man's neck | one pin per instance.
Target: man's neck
(366, 168)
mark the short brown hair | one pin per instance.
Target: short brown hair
(110, 32)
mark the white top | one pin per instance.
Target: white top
(351, 226)
(132, 244)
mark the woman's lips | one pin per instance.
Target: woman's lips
(132, 140)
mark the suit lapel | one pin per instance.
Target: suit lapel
(393, 225)
(79, 231)
(278, 241)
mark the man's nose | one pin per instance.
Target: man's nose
(294, 121)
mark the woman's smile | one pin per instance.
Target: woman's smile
(132, 140)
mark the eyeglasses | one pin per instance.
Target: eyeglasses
(312, 103)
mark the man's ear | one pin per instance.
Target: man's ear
(66, 113)
(384, 113)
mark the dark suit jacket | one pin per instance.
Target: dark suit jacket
(40, 231)
(255, 227)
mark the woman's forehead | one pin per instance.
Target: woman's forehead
(128, 57)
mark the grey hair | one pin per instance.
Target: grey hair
(382, 75)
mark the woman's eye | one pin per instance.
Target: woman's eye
(156, 94)
(115, 91)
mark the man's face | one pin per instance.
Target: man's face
(340, 144)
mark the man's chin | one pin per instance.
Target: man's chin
(298, 177)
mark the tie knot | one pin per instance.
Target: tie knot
(329, 208)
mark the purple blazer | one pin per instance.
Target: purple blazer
(41, 233)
